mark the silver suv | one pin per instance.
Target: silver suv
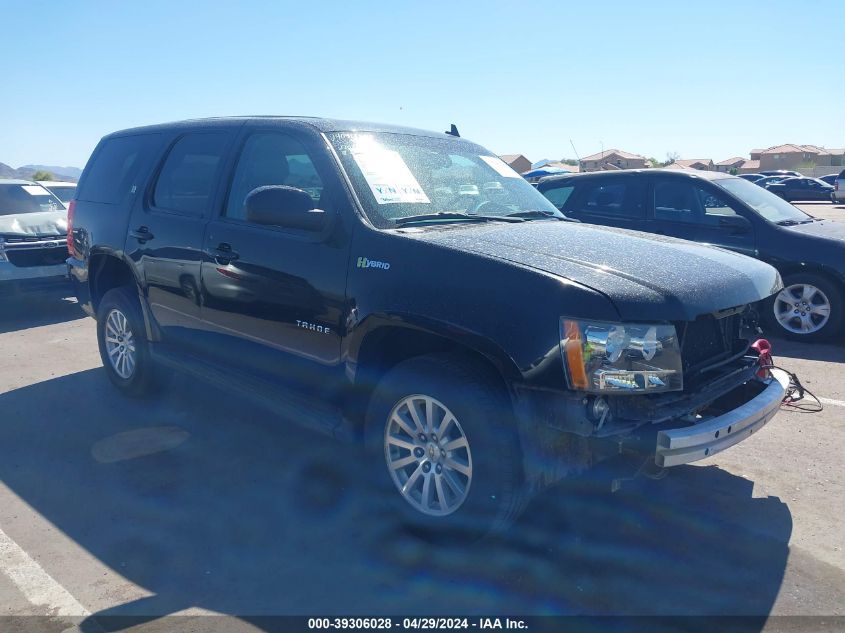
(33, 235)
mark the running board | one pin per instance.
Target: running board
(280, 399)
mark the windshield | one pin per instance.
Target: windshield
(16, 199)
(764, 202)
(399, 176)
(63, 192)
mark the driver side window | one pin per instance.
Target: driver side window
(272, 158)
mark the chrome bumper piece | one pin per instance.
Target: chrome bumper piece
(689, 444)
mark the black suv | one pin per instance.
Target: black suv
(408, 289)
(723, 210)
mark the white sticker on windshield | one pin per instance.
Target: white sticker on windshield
(34, 190)
(501, 167)
(388, 176)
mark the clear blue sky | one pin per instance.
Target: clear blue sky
(705, 79)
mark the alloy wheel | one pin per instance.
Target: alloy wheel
(120, 344)
(428, 455)
(802, 309)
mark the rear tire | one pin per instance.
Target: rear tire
(466, 491)
(809, 308)
(124, 348)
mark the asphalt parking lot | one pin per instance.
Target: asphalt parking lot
(197, 503)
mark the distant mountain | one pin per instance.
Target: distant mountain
(70, 173)
(26, 172)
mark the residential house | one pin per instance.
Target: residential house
(750, 167)
(518, 162)
(729, 164)
(803, 158)
(612, 159)
(704, 164)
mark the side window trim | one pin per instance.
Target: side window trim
(214, 194)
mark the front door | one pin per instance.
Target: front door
(274, 297)
(697, 211)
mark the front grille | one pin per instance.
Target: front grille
(36, 250)
(706, 341)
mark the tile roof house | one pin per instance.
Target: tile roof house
(704, 164)
(729, 163)
(797, 157)
(518, 162)
(750, 167)
(612, 159)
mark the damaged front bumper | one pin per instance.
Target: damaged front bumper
(710, 436)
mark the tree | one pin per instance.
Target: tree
(43, 175)
(671, 157)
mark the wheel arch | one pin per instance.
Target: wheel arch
(109, 269)
(797, 268)
(382, 342)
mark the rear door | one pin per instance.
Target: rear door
(165, 233)
(673, 209)
(609, 201)
(274, 297)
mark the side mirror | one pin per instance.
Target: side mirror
(736, 223)
(287, 207)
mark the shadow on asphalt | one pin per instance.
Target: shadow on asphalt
(25, 310)
(241, 514)
(831, 352)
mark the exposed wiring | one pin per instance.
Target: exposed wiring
(795, 392)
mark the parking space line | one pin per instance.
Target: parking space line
(34, 583)
(830, 401)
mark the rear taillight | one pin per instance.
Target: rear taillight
(71, 210)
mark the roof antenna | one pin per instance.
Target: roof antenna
(453, 131)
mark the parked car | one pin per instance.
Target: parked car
(839, 188)
(732, 213)
(782, 172)
(802, 189)
(62, 190)
(765, 181)
(368, 281)
(829, 179)
(33, 237)
(752, 177)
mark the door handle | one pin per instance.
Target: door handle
(142, 234)
(223, 254)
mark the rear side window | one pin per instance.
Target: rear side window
(559, 195)
(112, 173)
(187, 179)
(618, 197)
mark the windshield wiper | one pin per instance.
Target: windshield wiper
(453, 215)
(540, 214)
(792, 222)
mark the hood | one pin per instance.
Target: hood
(826, 230)
(42, 223)
(647, 277)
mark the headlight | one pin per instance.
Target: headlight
(621, 357)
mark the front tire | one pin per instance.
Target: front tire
(809, 308)
(124, 349)
(445, 451)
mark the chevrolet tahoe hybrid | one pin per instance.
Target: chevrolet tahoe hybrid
(407, 289)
